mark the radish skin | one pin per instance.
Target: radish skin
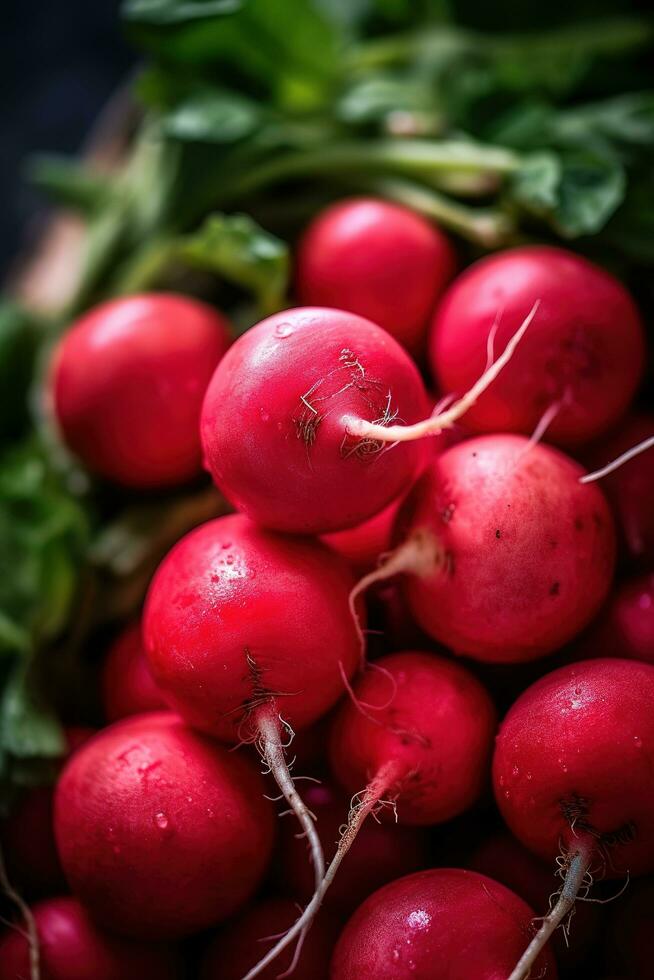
(161, 832)
(127, 383)
(128, 687)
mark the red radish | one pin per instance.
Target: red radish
(445, 924)
(128, 687)
(381, 852)
(249, 635)
(501, 857)
(72, 947)
(572, 773)
(362, 546)
(629, 487)
(509, 556)
(584, 352)
(274, 421)
(417, 734)
(238, 946)
(625, 627)
(161, 832)
(128, 379)
(380, 260)
(27, 835)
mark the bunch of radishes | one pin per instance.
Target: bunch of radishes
(466, 533)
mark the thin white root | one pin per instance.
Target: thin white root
(270, 727)
(372, 797)
(620, 461)
(30, 932)
(578, 864)
(434, 425)
(419, 554)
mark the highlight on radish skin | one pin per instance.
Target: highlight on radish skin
(506, 555)
(585, 349)
(73, 947)
(161, 831)
(249, 636)
(445, 924)
(416, 738)
(291, 381)
(573, 778)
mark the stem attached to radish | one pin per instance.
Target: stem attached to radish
(31, 931)
(578, 864)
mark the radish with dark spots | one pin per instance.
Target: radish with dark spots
(241, 942)
(445, 924)
(128, 687)
(573, 775)
(378, 259)
(73, 947)
(128, 379)
(161, 831)
(520, 594)
(249, 635)
(582, 357)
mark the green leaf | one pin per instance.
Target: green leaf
(18, 344)
(212, 116)
(236, 248)
(71, 184)
(28, 727)
(177, 11)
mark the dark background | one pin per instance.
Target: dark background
(59, 62)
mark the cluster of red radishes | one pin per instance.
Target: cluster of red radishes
(490, 545)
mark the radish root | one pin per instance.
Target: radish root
(434, 425)
(615, 464)
(30, 932)
(578, 862)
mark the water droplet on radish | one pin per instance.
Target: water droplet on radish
(638, 742)
(161, 820)
(530, 775)
(283, 330)
(507, 794)
(230, 559)
(515, 771)
(395, 955)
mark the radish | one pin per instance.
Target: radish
(573, 776)
(380, 853)
(629, 487)
(72, 947)
(127, 384)
(238, 946)
(445, 924)
(363, 545)
(417, 735)
(27, 835)
(161, 832)
(378, 259)
(508, 555)
(249, 636)
(582, 358)
(128, 687)
(290, 384)
(625, 627)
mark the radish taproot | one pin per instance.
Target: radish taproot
(72, 947)
(507, 556)
(584, 353)
(378, 259)
(127, 383)
(161, 831)
(573, 777)
(249, 636)
(445, 924)
(274, 420)
(128, 687)
(416, 736)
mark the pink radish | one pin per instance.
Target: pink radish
(584, 353)
(128, 379)
(128, 687)
(363, 545)
(625, 627)
(572, 774)
(445, 924)
(417, 735)
(292, 382)
(241, 942)
(379, 260)
(508, 556)
(161, 832)
(73, 947)
(249, 636)
(381, 852)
